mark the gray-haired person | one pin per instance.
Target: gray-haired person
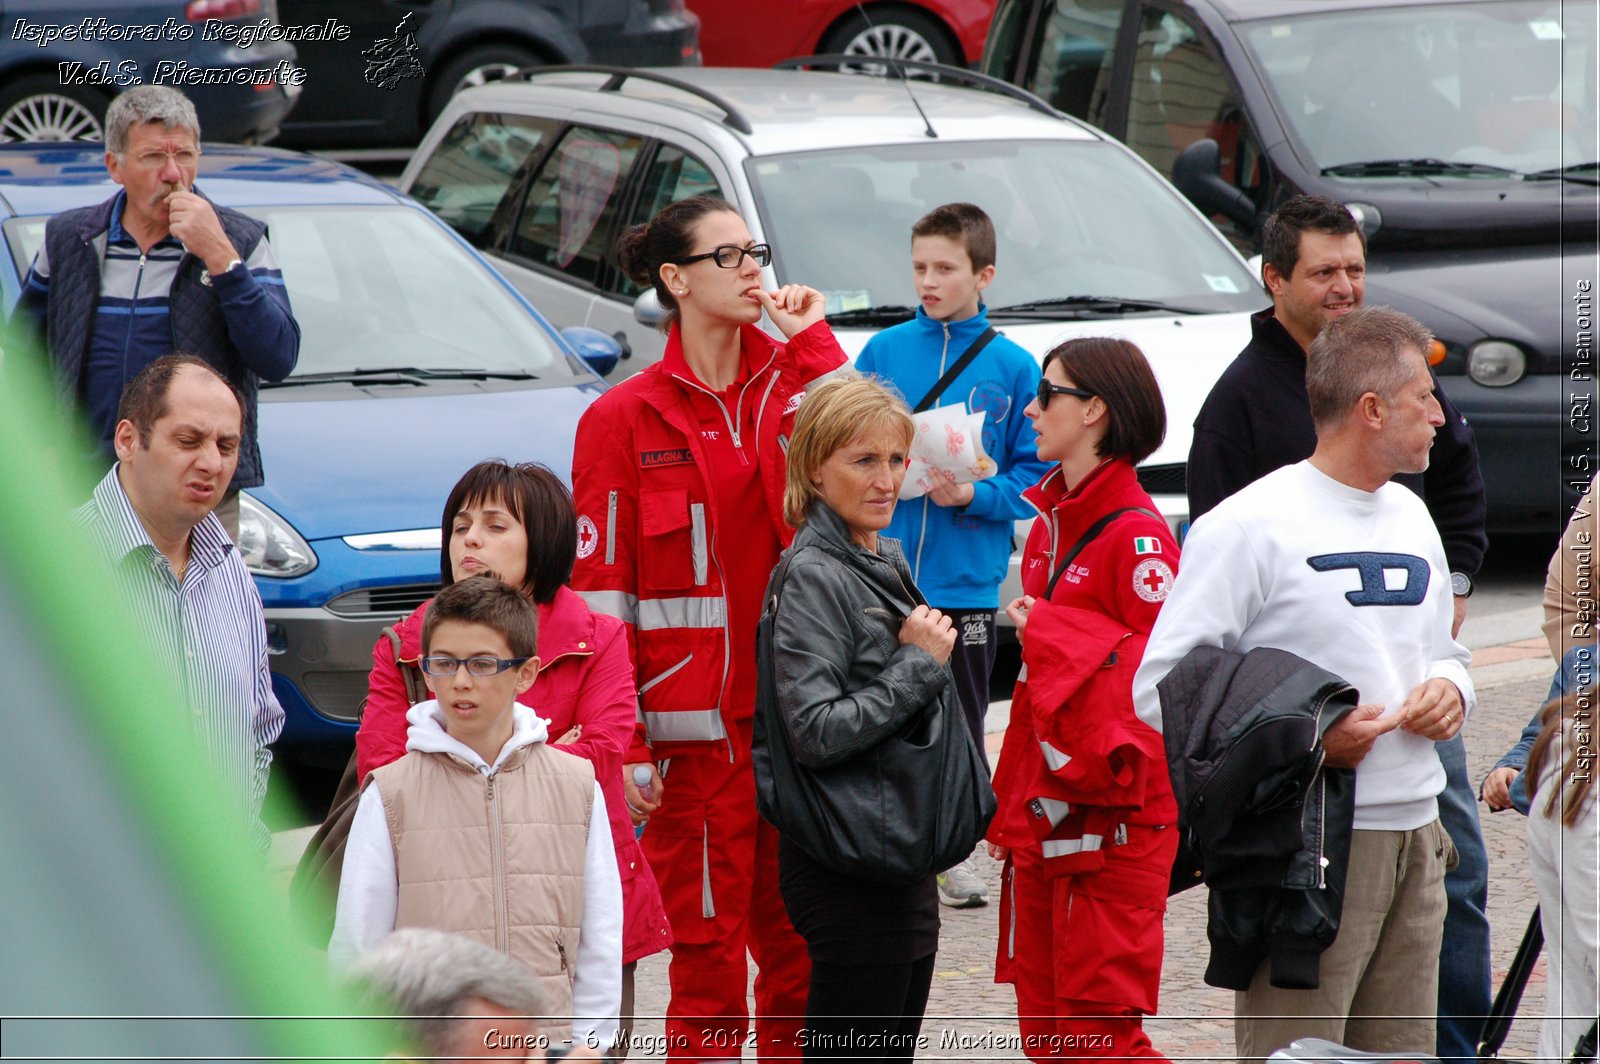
(158, 268)
(462, 999)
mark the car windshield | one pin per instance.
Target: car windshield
(1074, 219)
(378, 288)
(1484, 88)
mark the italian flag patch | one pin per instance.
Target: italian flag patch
(1146, 545)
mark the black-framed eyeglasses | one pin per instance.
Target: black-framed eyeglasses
(729, 256)
(479, 665)
(1046, 390)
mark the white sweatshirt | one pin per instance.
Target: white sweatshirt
(1273, 566)
(369, 885)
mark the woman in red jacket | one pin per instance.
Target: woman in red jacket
(517, 523)
(1086, 820)
(679, 476)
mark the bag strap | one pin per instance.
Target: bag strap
(1509, 996)
(410, 671)
(955, 370)
(1088, 536)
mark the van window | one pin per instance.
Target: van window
(568, 215)
(468, 174)
(1180, 94)
(673, 175)
(1077, 43)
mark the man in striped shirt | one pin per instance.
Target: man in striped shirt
(177, 442)
(154, 269)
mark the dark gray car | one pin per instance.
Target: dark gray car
(1462, 134)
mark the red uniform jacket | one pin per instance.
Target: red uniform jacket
(649, 546)
(584, 677)
(1077, 763)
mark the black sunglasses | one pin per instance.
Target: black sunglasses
(729, 256)
(1046, 390)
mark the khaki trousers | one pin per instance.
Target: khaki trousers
(1380, 978)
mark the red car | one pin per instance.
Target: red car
(945, 31)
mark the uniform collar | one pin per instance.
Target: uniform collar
(965, 329)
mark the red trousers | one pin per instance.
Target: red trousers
(717, 863)
(1084, 952)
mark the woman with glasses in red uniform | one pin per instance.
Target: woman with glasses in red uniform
(679, 474)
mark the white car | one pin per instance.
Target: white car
(543, 173)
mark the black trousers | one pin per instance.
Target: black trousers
(972, 661)
(866, 1011)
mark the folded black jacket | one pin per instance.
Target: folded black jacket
(1270, 823)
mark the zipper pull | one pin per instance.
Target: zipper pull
(562, 950)
(738, 448)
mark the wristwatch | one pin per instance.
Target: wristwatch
(1460, 585)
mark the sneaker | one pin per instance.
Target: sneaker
(962, 887)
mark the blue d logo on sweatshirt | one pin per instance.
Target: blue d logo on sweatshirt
(1374, 588)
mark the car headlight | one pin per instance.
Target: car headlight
(1496, 363)
(269, 545)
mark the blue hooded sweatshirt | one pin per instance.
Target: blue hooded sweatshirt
(958, 556)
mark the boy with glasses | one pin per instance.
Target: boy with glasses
(484, 830)
(957, 538)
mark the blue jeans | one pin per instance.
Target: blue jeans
(1464, 973)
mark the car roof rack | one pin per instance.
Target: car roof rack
(732, 116)
(879, 66)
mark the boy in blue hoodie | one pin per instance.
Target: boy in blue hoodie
(957, 538)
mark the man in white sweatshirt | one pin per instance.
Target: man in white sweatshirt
(1330, 561)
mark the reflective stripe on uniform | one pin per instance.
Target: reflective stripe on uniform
(1063, 847)
(618, 604)
(1055, 810)
(1053, 757)
(690, 612)
(685, 726)
(1022, 673)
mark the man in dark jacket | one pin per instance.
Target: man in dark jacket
(1257, 419)
(1330, 561)
(156, 269)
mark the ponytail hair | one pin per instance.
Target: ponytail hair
(643, 249)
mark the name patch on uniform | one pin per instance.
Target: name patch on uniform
(677, 456)
(1146, 545)
(1152, 579)
(793, 404)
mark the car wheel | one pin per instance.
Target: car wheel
(895, 33)
(476, 66)
(38, 109)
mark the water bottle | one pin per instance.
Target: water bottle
(641, 779)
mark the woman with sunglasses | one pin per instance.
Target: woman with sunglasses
(517, 524)
(1086, 820)
(679, 477)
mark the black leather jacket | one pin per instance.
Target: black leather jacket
(844, 680)
(1270, 822)
(861, 754)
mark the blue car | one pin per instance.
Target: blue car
(417, 359)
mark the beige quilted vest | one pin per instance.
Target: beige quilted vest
(497, 858)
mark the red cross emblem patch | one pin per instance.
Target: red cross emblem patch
(1152, 579)
(588, 536)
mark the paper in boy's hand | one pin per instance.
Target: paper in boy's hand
(948, 446)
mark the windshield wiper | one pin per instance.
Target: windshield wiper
(398, 375)
(1427, 167)
(888, 314)
(1112, 305)
(1567, 173)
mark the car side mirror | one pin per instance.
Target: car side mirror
(647, 310)
(1197, 173)
(600, 350)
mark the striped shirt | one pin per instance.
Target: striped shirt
(209, 634)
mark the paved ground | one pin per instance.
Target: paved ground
(971, 1018)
